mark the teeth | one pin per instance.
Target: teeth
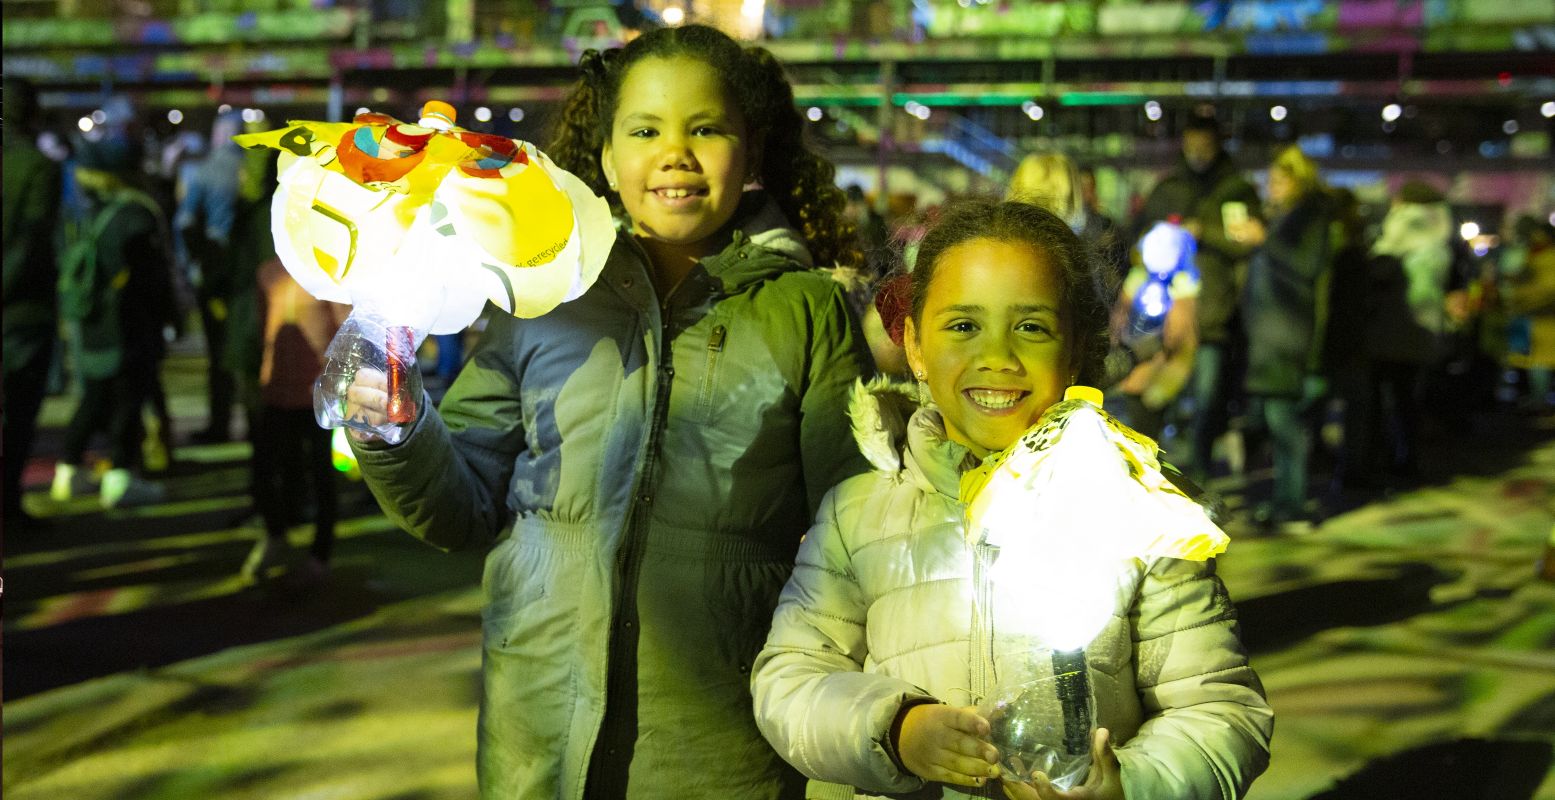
(675, 193)
(993, 399)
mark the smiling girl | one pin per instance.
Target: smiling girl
(647, 457)
(868, 677)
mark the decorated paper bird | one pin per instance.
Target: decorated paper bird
(426, 222)
(418, 227)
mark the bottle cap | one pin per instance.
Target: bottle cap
(437, 114)
(1089, 394)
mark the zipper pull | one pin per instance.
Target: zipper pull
(715, 342)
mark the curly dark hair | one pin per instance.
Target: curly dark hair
(1086, 293)
(800, 180)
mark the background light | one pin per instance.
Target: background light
(1509, 127)
(175, 116)
(482, 114)
(814, 114)
(1468, 230)
(516, 114)
(252, 115)
(1278, 113)
(1153, 111)
(1548, 109)
(674, 15)
(99, 117)
(1032, 110)
(85, 124)
(1392, 111)
(364, 110)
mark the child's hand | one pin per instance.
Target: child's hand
(945, 744)
(367, 401)
(1105, 781)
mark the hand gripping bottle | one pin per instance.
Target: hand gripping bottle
(367, 356)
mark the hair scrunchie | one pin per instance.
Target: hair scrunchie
(596, 63)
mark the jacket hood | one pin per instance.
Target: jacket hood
(895, 433)
(762, 246)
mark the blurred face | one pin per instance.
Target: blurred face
(989, 343)
(677, 152)
(1282, 188)
(1199, 149)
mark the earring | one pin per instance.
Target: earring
(918, 375)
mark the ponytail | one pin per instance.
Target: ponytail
(801, 182)
(582, 124)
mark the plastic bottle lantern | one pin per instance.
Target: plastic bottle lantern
(1069, 513)
(418, 227)
(1167, 253)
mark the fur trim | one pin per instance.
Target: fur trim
(879, 410)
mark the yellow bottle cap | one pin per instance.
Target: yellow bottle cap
(1089, 394)
(437, 109)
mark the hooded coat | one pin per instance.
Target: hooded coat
(880, 612)
(647, 467)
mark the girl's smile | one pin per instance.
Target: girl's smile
(677, 153)
(990, 341)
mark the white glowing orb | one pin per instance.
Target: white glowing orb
(175, 116)
(1548, 109)
(674, 15)
(482, 114)
(814, 114)
(85, 124)
(1278, 113)
(1391, 112)
(1163, 247)
(1468, 230)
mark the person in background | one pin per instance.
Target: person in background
(1284, 314)
(644, 460)
(1533, 296)
(1206, 191)
(117, 297)
(207, 209)
(1101, 229)
(31, 212)
(1407, 320)
(874, 237)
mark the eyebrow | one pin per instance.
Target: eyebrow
(1020, 309)
(700, 116)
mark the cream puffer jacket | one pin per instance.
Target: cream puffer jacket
(879, 611)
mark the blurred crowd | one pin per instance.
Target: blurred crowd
(1290, 326)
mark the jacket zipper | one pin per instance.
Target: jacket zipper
(628, 563)
(715, 346)
(982, 622)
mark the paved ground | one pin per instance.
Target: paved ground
(1406, 649)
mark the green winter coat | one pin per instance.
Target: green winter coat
(647, 472)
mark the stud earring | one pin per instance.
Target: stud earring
(918, 375)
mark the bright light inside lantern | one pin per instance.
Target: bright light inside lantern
(1468, 230)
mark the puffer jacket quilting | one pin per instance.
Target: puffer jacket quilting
(880, 610)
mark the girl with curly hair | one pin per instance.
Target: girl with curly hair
(646, 458)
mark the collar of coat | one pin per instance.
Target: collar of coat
(895, 434)
(761, 245)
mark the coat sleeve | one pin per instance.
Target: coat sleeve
(446, 483)
(838, 357)
(1207, 723)
(813, 701)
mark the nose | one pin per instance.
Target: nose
(675, 154)
(997, 353)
